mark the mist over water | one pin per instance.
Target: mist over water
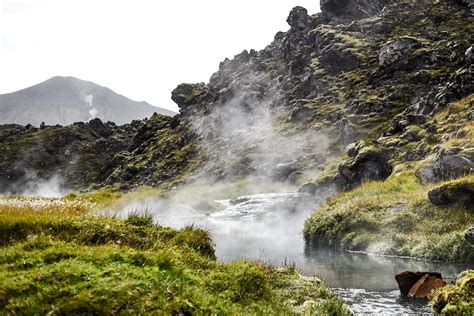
(267, 227)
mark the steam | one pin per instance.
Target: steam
(32, 185)
(246, 135)
(245, 193)
(89, 99)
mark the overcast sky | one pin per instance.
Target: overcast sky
(141, 49)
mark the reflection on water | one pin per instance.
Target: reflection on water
(268, 227)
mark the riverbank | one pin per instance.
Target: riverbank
(58, 258)
(393, 217)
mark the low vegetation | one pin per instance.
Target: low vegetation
(60, 259)
(393, 217)
(456, 299)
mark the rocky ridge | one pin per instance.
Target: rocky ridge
(393, 75)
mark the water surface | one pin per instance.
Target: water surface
(268, 227)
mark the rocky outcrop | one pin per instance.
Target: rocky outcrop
(449, 194)
(398, 54)
(365, 163)
(76, 154)
(354, 9)
(445, 167)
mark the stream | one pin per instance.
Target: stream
(268, 227)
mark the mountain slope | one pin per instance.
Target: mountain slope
(65, 100)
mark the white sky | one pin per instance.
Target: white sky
(139, 48)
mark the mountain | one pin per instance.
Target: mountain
(65, 100)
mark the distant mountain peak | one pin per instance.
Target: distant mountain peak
(65, 100)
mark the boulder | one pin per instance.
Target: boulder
(445, 167)
(406, 280)
(425, 286)
(460, 193)
(354, 148)
(469, 235)
(397, 55)
(298, 18)
(100, 128)
(325, 185)
(336, 60)
(283, 170)
(366, 163)
(187, 94)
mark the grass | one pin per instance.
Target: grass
(393, 217)
(456, 299)
(60, 259)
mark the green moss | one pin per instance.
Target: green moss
(392, 217)
(456, 299)
(59, 262)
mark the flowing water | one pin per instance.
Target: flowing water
(268, 227)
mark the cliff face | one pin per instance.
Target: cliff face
(395, 75)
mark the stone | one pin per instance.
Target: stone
(186, 94)
(450, 194)
(366, 163)
(100, 128)
(298, 18)
(469, 235)
(354, 148)
(352, 8)
(283, 170)
(445, 167)
(397, 54)
(406, 280)
(425, 286)
(336, 60)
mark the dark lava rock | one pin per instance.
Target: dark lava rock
(366, 163)
(406, 280)
(352, 8)
(445, 167)
(398, 54)
(336, 60)
(298, 18)
(469, 235)
(453, 194)
(187, 94)
(97, 126)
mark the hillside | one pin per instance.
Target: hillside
(65, 100)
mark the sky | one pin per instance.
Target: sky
(139, 48)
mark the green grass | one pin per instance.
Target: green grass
(61, 260)
(393, 217)
(456, 299)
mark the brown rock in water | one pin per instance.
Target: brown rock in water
(406, 280)
(425, 286)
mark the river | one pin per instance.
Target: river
(268, 227)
